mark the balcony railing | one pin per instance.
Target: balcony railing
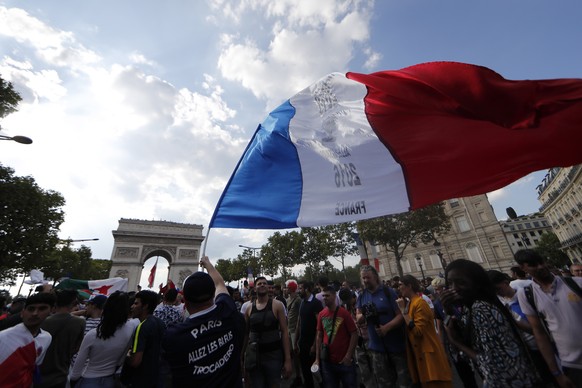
(559, 190)
(577, 239)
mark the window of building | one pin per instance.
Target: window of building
(540, 232)
(523, 235)
(515, 235)
(483, 216)
(528, 225)
(519, 226)
(519, 244)
(497, 251)
(536, 224)
(532, 233)
(544, 223)
(511, 227)
(477, 205)
(405, 265)
(435, 260)
(454, 202)
(462, 224)
(473, 253)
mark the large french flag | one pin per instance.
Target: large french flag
(356, 146)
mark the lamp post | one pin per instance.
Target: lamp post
(437, 246)
(69, 241)
(18, 139)
(419, 262)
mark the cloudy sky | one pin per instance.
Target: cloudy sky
(141, 109)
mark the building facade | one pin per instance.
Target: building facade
(560, 194)
(524, 232)
(475, 234)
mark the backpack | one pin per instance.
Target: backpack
(572, 285)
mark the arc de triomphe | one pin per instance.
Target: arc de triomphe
(135, 241)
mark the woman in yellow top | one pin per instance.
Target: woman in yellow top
(427, 360)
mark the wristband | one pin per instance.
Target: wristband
(556, 373)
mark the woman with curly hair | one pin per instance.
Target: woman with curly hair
(482, 328)
(104, 348)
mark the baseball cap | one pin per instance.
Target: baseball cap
(199, 287)
(98, 301)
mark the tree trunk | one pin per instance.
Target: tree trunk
(399, 266)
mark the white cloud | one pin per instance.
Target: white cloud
(497, 194)
(140, 59)
(307, 41)
(55, 47)
(372, 59)
(32, 85)
(117, 141)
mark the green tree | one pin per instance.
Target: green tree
(397, 232)
(341, 238)
(65, 261)
(9, 98)
(100, 269)
(281, 253)
(549, 247)
(30, 218)
(317, 248)
(225, 268)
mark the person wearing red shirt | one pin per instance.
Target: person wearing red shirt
(337, 336)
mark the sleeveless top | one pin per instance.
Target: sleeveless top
(264, 328)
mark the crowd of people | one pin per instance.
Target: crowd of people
(473, 326)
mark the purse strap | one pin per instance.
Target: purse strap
(330, 338)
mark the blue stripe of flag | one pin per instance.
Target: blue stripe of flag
(265, 189)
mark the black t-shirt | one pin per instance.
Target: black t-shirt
(308, 313)
(147, 339)
(205, 350)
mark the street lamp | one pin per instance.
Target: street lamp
(251, 248)
(419, 262)
(18, 139)
(68, 241)
(437, 246)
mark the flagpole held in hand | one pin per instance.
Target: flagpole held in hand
(204, 247)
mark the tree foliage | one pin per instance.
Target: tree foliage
(238, 268)
(9, 98)
(73, 263)
(282, 252)
(341, 238)
(397, 232)
(224, 267)
(317, 248)
(30, 218)
(549, 247)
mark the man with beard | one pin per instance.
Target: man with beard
(553, 307)
(377, 308)
(267, 323)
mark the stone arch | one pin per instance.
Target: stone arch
(149, 252)
(135, 241)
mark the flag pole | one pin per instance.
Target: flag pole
(204, 244)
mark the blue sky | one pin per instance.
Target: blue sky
(141, 109)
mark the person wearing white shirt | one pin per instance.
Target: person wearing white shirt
(104, 348)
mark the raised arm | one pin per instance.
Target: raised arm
(215, 275)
